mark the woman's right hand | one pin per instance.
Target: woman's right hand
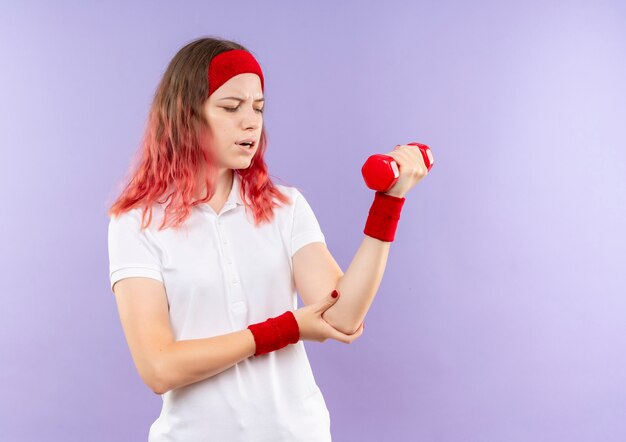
(315, 328)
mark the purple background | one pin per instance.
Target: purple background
(501, 315)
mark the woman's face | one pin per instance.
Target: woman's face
(234, 113)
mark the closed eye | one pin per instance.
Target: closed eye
(233, 109)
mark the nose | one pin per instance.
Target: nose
(251, 117)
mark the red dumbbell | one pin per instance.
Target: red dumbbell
(381, 172)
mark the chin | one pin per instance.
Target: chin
(243, 164)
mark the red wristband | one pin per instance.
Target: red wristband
(383, 217)
(275, 333)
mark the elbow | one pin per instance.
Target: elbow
(156, 379)
(158, 387)
(345, 327)
(342, 324)
(352, 329)
(160, 391)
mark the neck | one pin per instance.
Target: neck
(223, 184)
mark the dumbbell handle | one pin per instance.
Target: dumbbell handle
(381, 171)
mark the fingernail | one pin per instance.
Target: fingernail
(335, 294)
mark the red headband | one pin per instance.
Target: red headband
(226, 65)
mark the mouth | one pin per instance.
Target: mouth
(246, 143)
(246, 146)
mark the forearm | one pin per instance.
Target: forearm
(359, 285)
(185, 362)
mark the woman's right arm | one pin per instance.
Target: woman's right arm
(162, 362)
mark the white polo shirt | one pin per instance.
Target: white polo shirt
(221, 274)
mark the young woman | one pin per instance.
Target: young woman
(206, 255)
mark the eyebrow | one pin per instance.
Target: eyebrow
(240, 99)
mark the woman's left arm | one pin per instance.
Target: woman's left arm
(359, 285)
(317, 273)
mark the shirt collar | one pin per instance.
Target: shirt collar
(233, 199)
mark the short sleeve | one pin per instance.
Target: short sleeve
(305, 227)
(130, 251)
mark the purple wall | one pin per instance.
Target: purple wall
(501, 316)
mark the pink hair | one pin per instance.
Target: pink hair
(171, 160)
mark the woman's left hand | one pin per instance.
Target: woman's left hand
(412, 168)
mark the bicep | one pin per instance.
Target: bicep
(143, 309)
(316, 273)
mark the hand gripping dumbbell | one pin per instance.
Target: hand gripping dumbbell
(381, 172)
